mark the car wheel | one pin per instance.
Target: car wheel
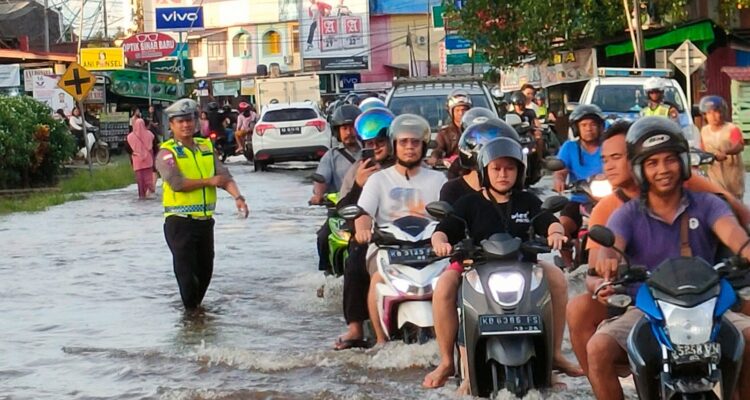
(259, 166)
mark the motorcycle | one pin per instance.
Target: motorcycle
(223, 144)
(410, 269)
(683, 347)
(549, 135)
(529, 144)
(338, 239)
(99, 148)
(505, 309)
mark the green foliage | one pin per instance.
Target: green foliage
(33, 145)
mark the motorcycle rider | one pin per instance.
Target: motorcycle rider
(217, 121)
(582, 159)
(654, 88)
(372, 132)
(529, 92)
(654, 228)
(457, 103)
(395, 192)
(502, 206)
(245, 124)
(584, 314)
(724, 140)
(333, 166)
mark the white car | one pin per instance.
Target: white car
(290, 132)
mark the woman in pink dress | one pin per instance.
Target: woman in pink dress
(141, 142)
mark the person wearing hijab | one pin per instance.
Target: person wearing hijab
(141, 142)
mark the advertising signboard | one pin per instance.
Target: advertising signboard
(179, 18)
(148, 46)
(335, 37)
(102, 58)
(28, 77)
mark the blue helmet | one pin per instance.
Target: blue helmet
(373, 123)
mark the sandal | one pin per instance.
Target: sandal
(344, 344)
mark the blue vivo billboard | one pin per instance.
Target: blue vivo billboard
(179, 18)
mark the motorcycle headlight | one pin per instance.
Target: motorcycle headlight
(406, 285)
(473, 278)
(507, 287)
(689, 325)
(600, 188)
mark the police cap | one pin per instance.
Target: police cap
(181, 108)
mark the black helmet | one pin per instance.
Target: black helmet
(212, 107)
(477, 135)
(518, 98)
(498, 148)
(344, 115)
(475, 116)
(584, 111)
(650, 135)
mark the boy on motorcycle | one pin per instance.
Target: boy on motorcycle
(395, 192)
(584, 314)
(372, 131)
(582, 159)
(665, 222)
(502, 206)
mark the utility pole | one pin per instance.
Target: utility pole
(429, 42)
(104, 12)
(46, 27)
(639, 34)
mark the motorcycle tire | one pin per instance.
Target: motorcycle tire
(100, 154)
(517, 380)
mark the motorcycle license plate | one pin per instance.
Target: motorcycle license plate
(686, 353)
(509, 324)
(291, 130)
(403, 256)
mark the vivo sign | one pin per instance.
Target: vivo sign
(179, 18)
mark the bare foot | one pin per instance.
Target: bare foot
(438, 377)
(464, 389)
(560, 363)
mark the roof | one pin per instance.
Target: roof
(18, 56)
(16, 9)
(439, 88)
(279, 106)
(737, 73)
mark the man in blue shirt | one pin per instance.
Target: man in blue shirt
(582, 159)
(666, 222)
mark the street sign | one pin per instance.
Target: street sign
(148, 46)
(76, 81)
(456, 42)
(687, 58)
(437, 16)
(179, 18)
(102, 58)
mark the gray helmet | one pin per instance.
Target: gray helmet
(458, 97)
(584, 111)
(650, 135)
(411, 125)
(477, 135)
(498, 148)
(476, 115)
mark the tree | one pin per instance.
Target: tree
(510, 30)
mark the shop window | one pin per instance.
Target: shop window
(216, 46)
(295, 39)
(195, 48)
(241, 45)
(272, 43)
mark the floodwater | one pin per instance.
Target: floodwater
(90, 308)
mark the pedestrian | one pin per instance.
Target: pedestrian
(191, 172)
(204, 124)
(141, 142)
(724, 140)
(135, 113)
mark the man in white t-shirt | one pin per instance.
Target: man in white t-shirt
(399, 191)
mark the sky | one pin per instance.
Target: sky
(118, 15)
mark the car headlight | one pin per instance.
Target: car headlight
(473, 278)
(689, 325)
(507, 287)
(600, 188)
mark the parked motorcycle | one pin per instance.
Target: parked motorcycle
(683, 347)
(505, 309)
(530, 148)
(410, 269)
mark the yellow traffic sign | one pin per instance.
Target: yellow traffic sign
(77, 81)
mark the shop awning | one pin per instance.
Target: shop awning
(701, 34)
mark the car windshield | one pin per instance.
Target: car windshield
(431, 108)
(630, 98)
(289, 114)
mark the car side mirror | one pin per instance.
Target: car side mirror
(602, 235)
(554, 204)
(439, 209)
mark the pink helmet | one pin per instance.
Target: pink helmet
(243, 106)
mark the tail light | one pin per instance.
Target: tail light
(212, 136)
(260, 129)
(318, 123)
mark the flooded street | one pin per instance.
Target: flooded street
(91, 308)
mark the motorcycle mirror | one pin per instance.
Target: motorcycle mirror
(318, 178)
(553, 164)
(513, 119)
(351, 212)
(570, 106)
(554, 204)
(602, 235)
(439, 209)
(619, 300)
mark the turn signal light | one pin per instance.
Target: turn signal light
(318, 123)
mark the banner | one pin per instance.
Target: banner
(134, 83)
(28, 77)
(102, 58)
(10, 75)
(247, 87)
(173, 66)
(225, 88)
(333, 36)
(45, 90)
(563, 67)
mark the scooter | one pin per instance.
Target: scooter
(338, 239)
(223, 144)
(683, 347)
(99, 148)
(410, 269)
(505, 309)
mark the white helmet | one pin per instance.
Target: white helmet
(654, 83)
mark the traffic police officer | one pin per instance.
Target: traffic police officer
(654, 88)
(191, 173)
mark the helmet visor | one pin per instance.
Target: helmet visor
(373, 123)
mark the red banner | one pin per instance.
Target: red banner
(148, 46)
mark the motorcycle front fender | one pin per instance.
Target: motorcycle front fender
(418, 313)
(510, 350)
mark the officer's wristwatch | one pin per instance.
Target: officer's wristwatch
(240, 197)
